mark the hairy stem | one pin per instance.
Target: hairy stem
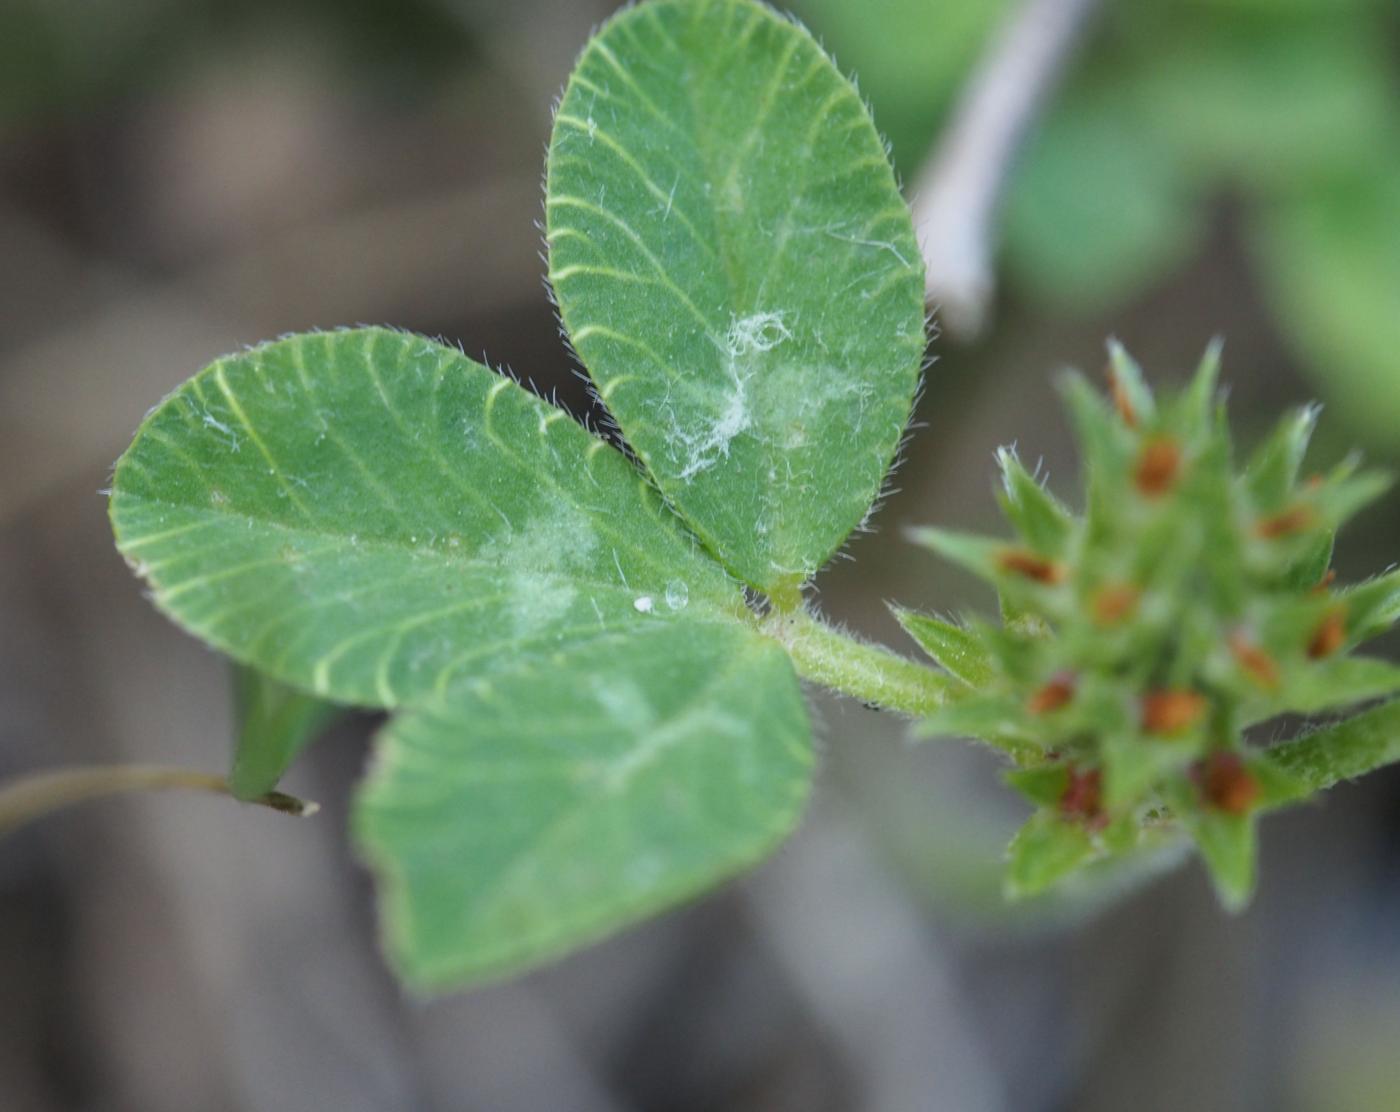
(1349, 749)
(870, 673)
(32, 797)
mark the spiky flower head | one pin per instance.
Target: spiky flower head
(1140, 641)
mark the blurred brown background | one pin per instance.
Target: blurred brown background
(181, 177)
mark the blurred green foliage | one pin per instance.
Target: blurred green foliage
(1288, 109)
(910, 57)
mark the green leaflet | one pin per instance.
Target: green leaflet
(563, 796)
(738, 272)
(367, 514)
(273, 723)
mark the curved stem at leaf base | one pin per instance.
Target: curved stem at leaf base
(873, 674)
(31, 797)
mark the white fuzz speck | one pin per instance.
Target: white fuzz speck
(747, 337)
(760, 332)
(643, 604)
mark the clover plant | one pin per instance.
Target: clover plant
(590, 643)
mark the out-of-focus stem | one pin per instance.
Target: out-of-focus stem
(957, 192)
(32, 797)
(1345, 751)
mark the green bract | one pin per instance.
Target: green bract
(1141, 640)
(592, 656)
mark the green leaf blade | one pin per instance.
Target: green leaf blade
(738, 272)
(535, 809)
(366, 515)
